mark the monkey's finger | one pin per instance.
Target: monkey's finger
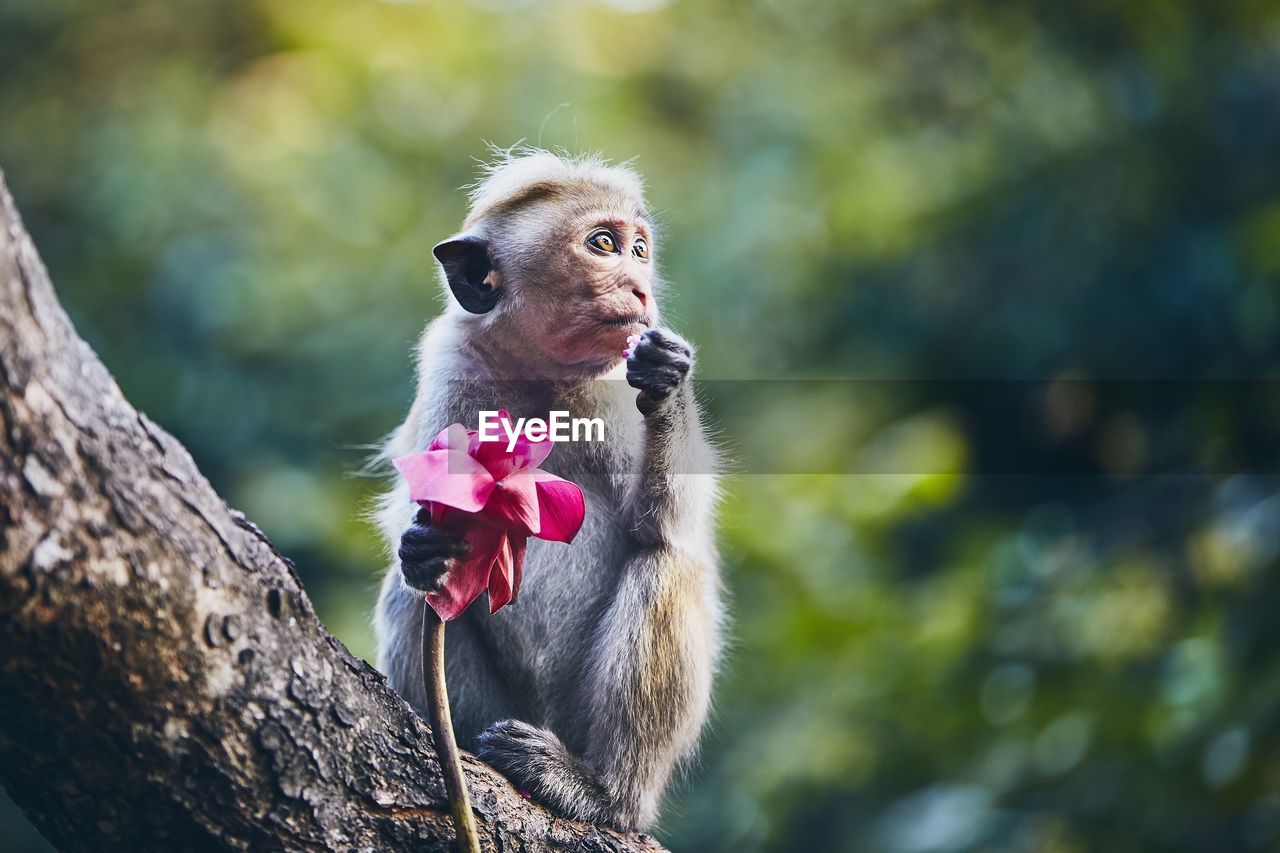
(667, 340)
(657, 371)
(654, 378)
(416, 552)
(425, 577)
(660, 355)
(672, 371)
(426, 533)
(424, 543)
(653, 349)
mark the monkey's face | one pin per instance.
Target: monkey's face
(560, 281)
(580, 293)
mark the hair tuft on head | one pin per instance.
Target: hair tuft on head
(512, 172)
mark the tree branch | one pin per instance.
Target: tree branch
(164, 681)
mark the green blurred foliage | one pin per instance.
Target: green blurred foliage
(237, 202)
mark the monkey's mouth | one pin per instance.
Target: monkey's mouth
(634, 320)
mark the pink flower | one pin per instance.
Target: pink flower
(496, 499)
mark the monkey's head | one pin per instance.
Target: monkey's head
(555, 266)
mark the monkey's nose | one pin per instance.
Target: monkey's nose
(643, 295)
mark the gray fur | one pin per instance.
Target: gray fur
(593, 687)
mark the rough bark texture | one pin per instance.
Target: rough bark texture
(164, 682)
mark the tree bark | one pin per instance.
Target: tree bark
(164, 681)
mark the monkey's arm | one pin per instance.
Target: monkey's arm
(424, 556)
(657, 645)
(647, 682)
(670, 498)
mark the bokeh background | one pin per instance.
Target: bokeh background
(1018, 631)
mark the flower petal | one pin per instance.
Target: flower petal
(453, 437)
(514, 502)
(501, 579)
(470, 577)
(508, 568)
(561, 507)
(518, 543)
(447, 477)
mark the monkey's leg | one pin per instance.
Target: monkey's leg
(537, 762)
(644, 700)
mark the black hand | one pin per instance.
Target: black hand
(427, 553)
(659, 363)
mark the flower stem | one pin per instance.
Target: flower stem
(464, 822)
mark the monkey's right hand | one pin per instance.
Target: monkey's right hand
(659, 362)
(427, 553)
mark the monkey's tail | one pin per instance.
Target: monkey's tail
(464, 822)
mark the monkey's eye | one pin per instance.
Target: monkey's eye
(603, 241)
(640, 248)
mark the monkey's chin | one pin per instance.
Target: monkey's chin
(618, 331)
(604, 364)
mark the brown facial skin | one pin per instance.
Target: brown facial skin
(578, 284)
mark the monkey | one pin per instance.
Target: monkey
(590, 692)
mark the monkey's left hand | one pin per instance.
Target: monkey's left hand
(660, 362)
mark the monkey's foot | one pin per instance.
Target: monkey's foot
(536, 761)
(658, 363)
(427, 553)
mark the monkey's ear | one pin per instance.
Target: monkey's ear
(470, 272)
